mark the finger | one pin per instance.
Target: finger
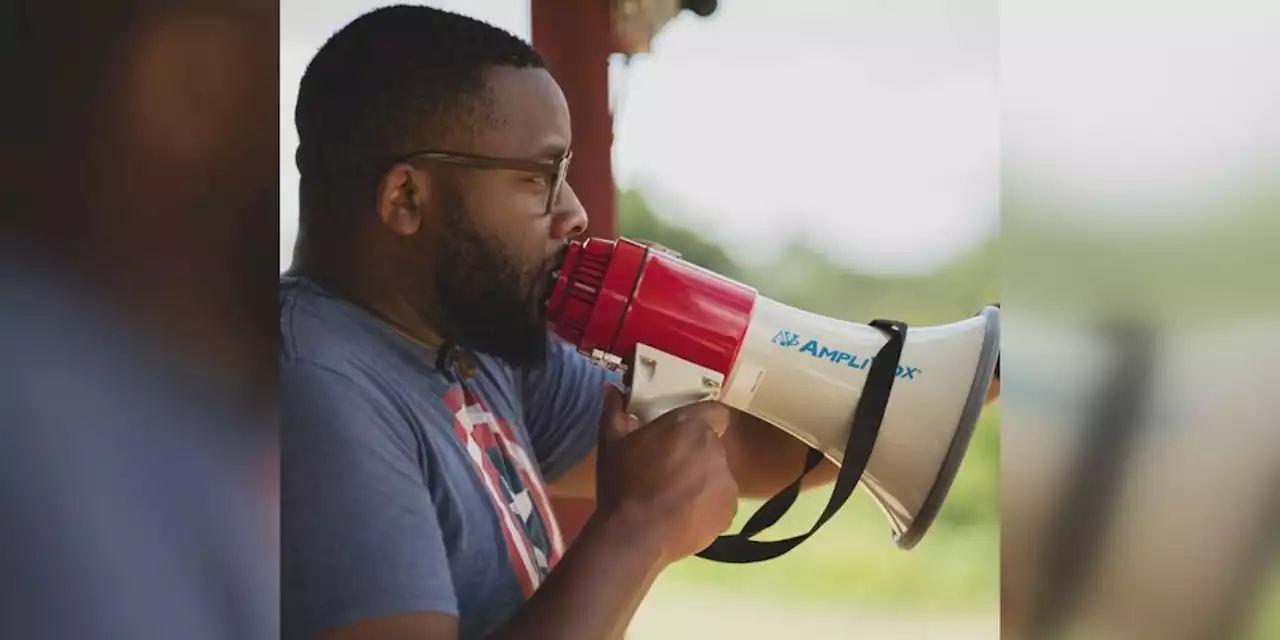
(704, 420)
(615, 422)
(728, 486)
(697, 434)
(719, 416)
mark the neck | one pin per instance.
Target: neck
(373, 289)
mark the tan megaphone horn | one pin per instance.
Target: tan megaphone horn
(894, 406)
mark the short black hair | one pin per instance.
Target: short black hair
(397, 79)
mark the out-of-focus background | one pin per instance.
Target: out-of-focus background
(842, 157)
(1140, 217)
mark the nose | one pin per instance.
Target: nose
(570, 218)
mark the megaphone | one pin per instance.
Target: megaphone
(906, 401)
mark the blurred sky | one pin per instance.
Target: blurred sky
(1146, 117)
(869, 128)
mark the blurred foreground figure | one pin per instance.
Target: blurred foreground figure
(1146, 488)
(136, 454)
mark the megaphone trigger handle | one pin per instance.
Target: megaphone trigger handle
(739, 548)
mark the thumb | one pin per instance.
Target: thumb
(719, 417)
(615, 422)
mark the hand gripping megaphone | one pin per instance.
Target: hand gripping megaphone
(895, 409)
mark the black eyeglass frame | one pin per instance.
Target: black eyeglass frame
(556, 170)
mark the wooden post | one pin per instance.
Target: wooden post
(575, 38)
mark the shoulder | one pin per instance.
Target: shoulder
(322, 332)
(320, 327)
(344, 376)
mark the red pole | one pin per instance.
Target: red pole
(575, 37)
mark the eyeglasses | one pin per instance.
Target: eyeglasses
(555, 170)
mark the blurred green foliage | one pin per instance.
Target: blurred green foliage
(1077, 261)
(853, 558)
(1263, 613)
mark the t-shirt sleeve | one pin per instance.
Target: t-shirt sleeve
(563, 400)
(360, 534)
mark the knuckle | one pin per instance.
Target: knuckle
(692, 428)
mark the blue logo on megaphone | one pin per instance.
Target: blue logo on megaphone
(792, 340)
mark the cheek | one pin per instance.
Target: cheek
(523, 245)
(527, 238)
(502, 215)
(504, 196)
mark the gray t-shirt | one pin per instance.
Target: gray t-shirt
(407, 489)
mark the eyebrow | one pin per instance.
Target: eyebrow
(552, 150)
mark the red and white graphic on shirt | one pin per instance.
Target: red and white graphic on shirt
(514, 483)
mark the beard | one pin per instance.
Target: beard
(493, 303)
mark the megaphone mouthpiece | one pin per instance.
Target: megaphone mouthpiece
(612, 296)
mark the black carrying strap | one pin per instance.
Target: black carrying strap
(739, 548)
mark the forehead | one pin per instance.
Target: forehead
(526, 115)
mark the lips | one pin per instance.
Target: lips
(548, 287)
(553, 275)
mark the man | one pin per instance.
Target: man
(428, 415)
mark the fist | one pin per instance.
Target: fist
(670, 474)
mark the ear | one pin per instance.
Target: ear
(403, 194)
